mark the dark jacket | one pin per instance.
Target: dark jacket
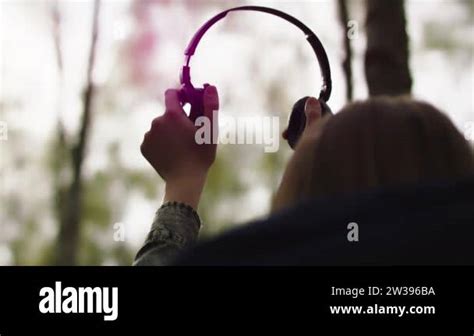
(429, 224)
(421, 225)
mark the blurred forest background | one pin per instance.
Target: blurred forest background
(80, 82)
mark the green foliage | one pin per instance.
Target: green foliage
(26, 251)
(143, 181)
(469, 6)
(449, 37)
(271, 164)
(224, 182)
(91, 252)
(96, 207)
(436, 37)
(103, 206)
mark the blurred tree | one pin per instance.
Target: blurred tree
(346, 62)
(69, 193)
(386, 57)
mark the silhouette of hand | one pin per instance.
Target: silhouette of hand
(171, 148)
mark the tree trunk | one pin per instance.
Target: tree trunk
(346, 62)
(386, 58)
(71, 211)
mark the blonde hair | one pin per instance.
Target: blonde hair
(383, 141)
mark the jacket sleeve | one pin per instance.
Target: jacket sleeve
(175, 227)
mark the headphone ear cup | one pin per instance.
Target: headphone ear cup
(193, 96)
(297, 121)
(325, 109)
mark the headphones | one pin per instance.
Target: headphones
(297, 121)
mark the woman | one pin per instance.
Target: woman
(380, 142)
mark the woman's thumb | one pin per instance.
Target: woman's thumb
(210, 101)
(312, 111)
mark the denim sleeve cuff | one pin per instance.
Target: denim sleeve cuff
(176, 226)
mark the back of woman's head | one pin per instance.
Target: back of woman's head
(378, 142)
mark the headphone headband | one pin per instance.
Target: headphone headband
(311, 37)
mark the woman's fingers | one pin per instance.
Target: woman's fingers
(312, 111)
(314, 120)
(172, 102)
(210, 101)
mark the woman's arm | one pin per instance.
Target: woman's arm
(172, 150)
